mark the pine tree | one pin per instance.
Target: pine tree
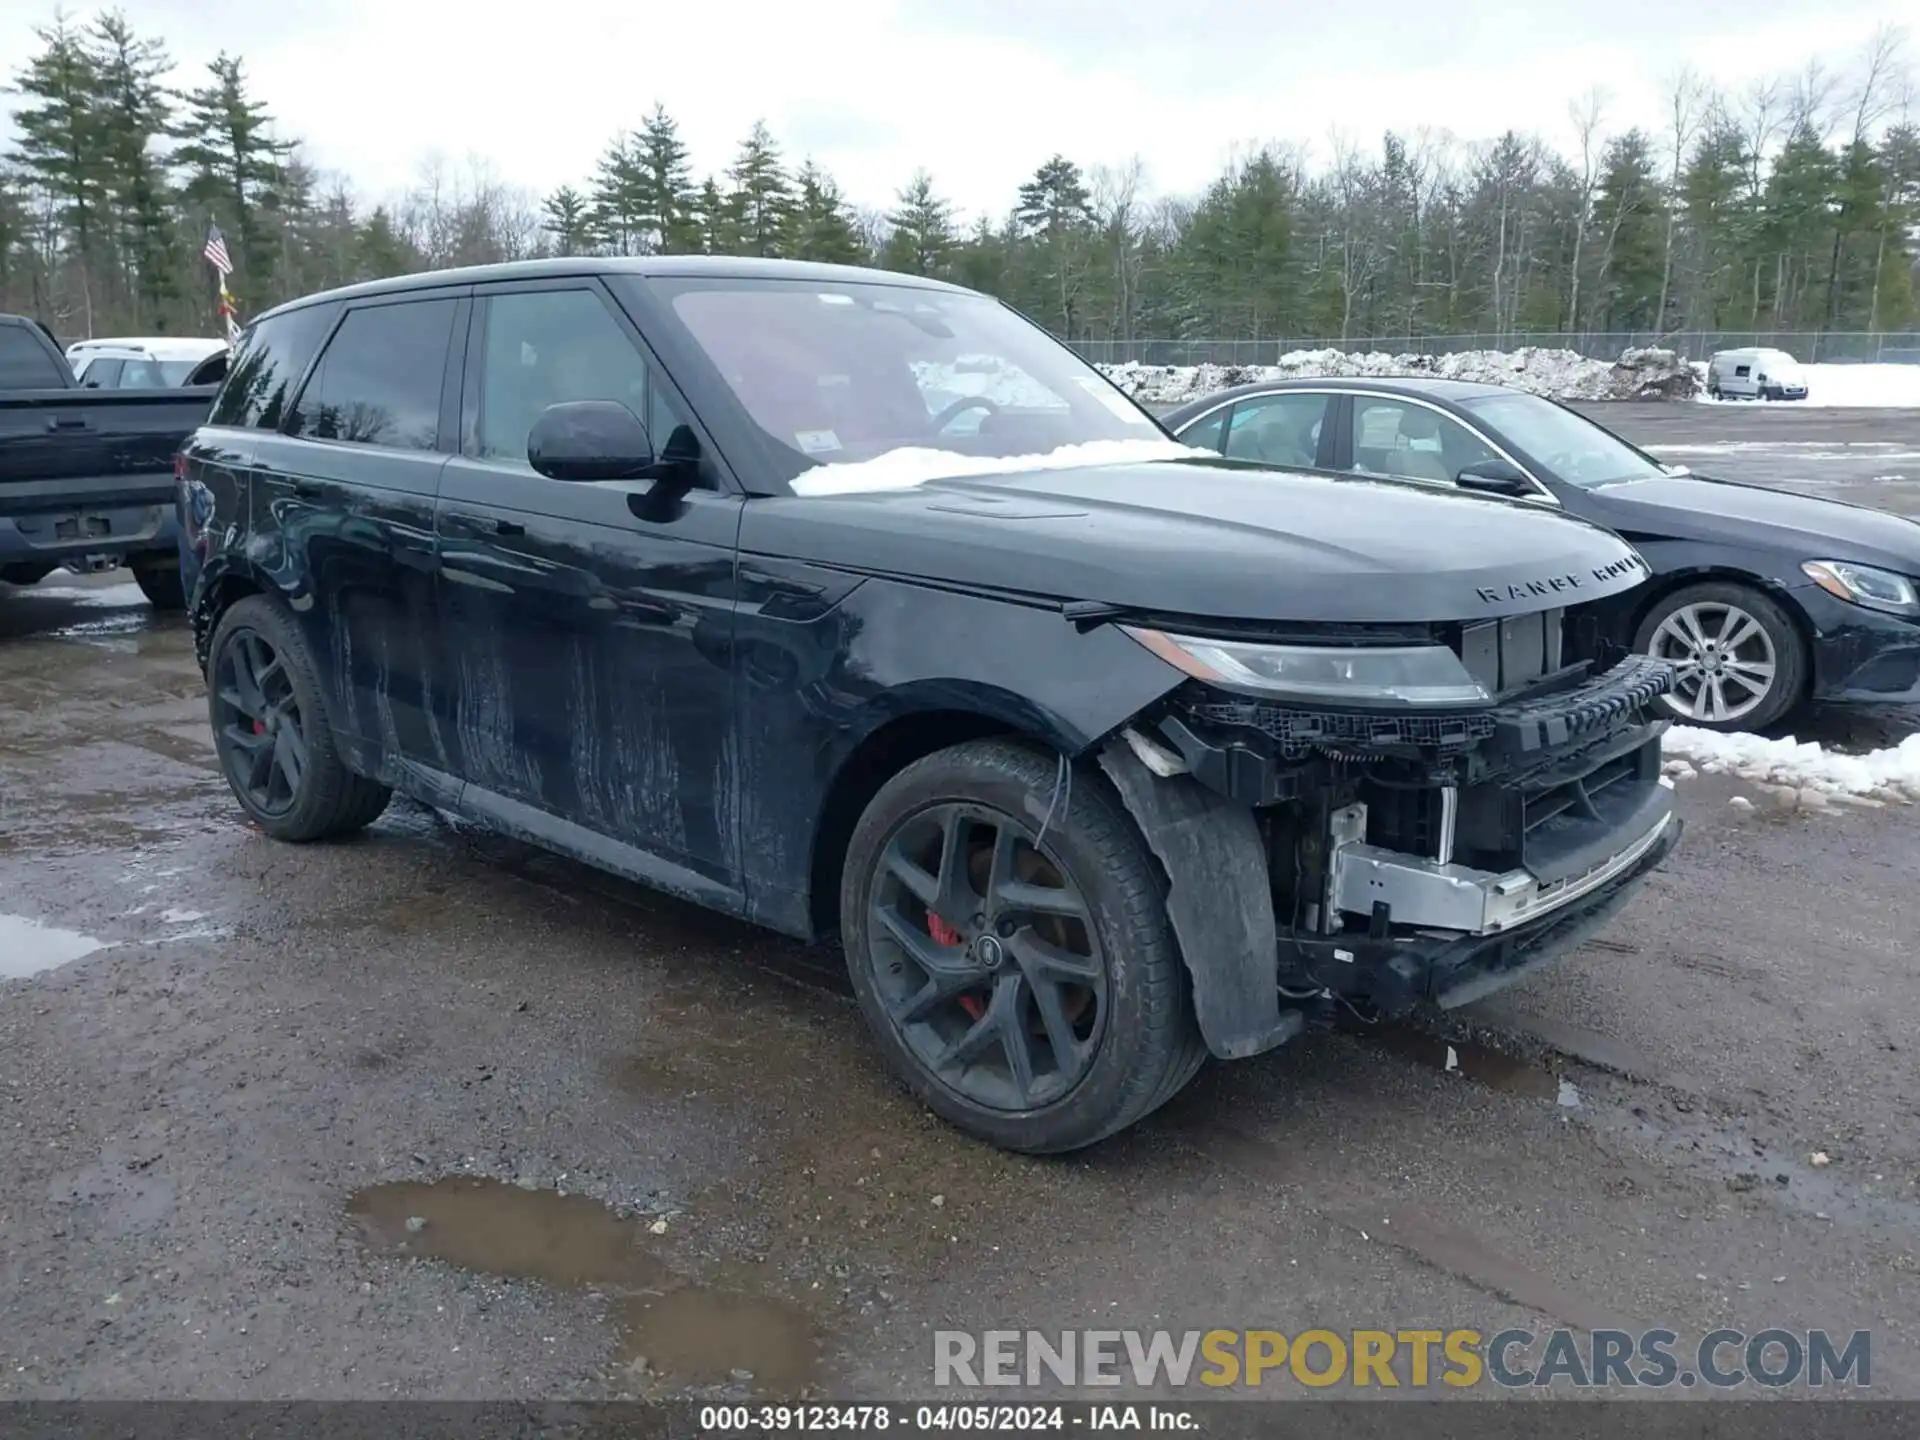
(715, 229)
(61, 147)
(618, 209)
(383, 251)
(1055, 201)
(761, 199)
(565, 219)
(235, 171)
(667, 194)
(1055, 210)
(134, 112)
(923, 235)
(820, 227)
(1629, 214)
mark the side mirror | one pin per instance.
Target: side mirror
(1678, 472)
(590, 440)
(1495, 477)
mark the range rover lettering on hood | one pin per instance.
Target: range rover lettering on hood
(1551, 585)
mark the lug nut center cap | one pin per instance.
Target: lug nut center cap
(990, 952)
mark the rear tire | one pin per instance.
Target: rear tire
(1726, 638)
(162, 584)
(1024, 964)
(270, 730)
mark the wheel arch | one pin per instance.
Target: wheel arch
(979, 713)
(221, 585)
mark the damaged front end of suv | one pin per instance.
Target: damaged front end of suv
(1372, 817)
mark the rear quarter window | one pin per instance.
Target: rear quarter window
(25, 363)
(273, 355)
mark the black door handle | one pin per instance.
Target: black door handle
(67, 422)
(508, 527)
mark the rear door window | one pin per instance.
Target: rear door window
(1206, 434)
(102, 374)
(1279, 430)
(272, 356)
(379, 379)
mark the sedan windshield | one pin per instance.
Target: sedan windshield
(1568, 444)
(836, 372)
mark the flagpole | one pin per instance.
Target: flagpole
(216, 252)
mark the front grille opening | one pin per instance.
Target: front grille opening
(1576, 800)
(1510, 654)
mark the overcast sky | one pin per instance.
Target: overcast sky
(978, 91)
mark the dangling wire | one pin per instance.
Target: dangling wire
(1062, 798)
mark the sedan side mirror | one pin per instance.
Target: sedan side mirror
(1495, 477)
(590, 440)
(1678, 472)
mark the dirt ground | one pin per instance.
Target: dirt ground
(430, 1114)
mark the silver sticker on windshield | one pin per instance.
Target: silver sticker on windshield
(816, 442)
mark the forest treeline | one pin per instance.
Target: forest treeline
(1790, 205)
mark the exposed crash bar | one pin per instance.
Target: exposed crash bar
(1433, 895)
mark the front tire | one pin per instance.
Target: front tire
(271, 733)
(1741, 661)
(1027, 988)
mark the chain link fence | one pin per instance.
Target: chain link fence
(1812, 347)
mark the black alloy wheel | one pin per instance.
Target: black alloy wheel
(983, 953)
(1007, 936)
(257, 717)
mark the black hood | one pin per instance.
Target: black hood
(1725, 512)
(1211, 539)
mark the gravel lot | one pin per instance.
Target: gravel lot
(218, 1133)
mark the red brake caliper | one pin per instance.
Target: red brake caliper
(945, 934)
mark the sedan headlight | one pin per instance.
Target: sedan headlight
(1864, 585)
(1395, 675)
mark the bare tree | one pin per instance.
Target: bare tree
(1687, 101)
(1586, 113)
(1355, 182)
(1116, 210)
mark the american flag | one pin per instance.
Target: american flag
(216, 250)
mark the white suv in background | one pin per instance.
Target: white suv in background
(156, 363)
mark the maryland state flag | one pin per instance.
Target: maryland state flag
(216, 252)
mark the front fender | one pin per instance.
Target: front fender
(821, 691)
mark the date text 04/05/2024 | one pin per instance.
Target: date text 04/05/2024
(945, 1419)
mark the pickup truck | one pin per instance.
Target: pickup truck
(854, 604)
(86, 475)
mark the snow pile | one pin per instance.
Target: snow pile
(1557, 374)
(1847, 386)
(1892, 773)
(912, 466)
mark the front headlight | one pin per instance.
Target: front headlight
(1395, 675)
(1864, 585)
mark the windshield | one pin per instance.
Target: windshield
(1568, 444)
(836, 372)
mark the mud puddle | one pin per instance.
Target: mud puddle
(672, 1329)
(27, 947)
(1490, 1067)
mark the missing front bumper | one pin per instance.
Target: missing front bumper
(1430, 895)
